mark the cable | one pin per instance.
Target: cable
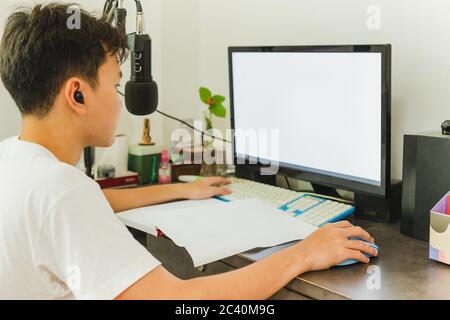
(192, 127)
(111, 5)
(108, 10)
(138, 6)
(287, 182)
(185, 123)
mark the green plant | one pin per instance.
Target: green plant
(215, 106)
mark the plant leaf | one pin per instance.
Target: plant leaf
(205, 94)
(218, 110)
(218, 99)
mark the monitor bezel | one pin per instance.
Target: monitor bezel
(381, 190)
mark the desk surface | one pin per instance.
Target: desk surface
(403, 267)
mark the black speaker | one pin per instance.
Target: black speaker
(426, 179)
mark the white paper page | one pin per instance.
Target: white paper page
(142, 218)
(213, 232)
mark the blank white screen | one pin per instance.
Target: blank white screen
(327, 107)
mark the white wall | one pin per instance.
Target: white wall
(181, 61)
(197, 33)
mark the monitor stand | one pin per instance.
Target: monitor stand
(369, 207)
(326, 191)
(253, 172)
(381, 209)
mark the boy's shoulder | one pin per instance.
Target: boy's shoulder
(60, 174)
(33, 170)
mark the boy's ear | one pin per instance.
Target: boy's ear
(73, 87)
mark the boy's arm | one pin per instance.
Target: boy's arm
(327, 247)
(126, 199)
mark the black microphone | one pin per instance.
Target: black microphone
(141, 92)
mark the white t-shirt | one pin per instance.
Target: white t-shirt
(59, 237)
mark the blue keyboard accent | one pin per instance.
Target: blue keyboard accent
(320, 201)
(221, 198)
(297, 212)
(309, 208)
(342, 216)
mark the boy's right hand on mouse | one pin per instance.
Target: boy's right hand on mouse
(331, 245)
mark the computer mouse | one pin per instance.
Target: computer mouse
(353, 261)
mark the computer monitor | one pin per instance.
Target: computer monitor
(329, 104)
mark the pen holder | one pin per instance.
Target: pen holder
(440, 231)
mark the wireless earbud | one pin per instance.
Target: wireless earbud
(79, 97)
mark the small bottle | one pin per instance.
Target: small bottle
(165, 170)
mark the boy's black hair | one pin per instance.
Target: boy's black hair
(39, 51)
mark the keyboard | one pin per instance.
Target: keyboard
(247, 189)
(311, 209)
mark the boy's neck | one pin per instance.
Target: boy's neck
(54, 136)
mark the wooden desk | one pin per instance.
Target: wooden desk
(403, 269)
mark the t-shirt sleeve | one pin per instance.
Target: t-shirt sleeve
(89, 249)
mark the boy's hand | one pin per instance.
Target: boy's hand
(331, 245)
(207, 187)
